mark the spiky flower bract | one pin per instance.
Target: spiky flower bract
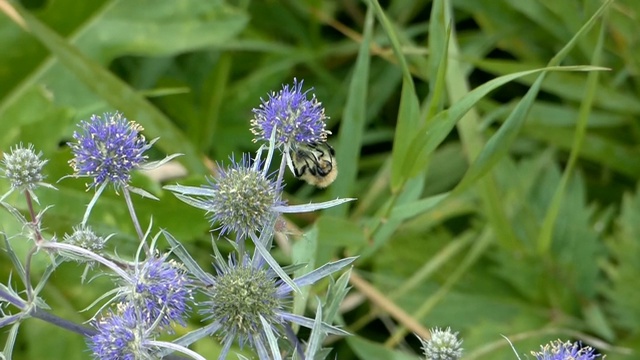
(23, 167)
(247, 301)
(558, 350)
(121, 335)
(107, 149)
(443, 345)
(240, 295)
(240, 199)
(84, 237)
(161, 290)
(292, 115)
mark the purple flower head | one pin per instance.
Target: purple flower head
(107, 148)
(558, 350)
(161, 290)
(294, 117)
(120, 336)
(242, 198)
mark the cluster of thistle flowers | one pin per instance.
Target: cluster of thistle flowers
(248, 297)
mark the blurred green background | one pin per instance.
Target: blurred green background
(519, 219)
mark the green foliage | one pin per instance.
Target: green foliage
(494, 160)
(624, 266)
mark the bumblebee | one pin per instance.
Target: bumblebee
(314, 163)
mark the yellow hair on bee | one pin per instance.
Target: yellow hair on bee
(314, 163)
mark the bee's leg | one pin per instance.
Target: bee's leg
(290, 164)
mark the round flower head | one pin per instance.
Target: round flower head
(247, 301)
(85, 238)
(242, 198)
(558, 350)
(107, 148)
(23, 167)
(240, 295)
(293, 117)
(161, 289)
(443, 345)
(121, 336)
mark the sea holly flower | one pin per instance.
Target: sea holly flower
(161, 289)
(248, 303)
(240, 199)
(125, 334)
(558, 350)
(292, 116)
(443, 345)
(84, 237)
(121, 335)
(107, 149)
(23, 168)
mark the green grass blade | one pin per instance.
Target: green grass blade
(439, 34)
(499, 144)
(352, 126)
(546, 233)
(556, 60)
(409, 112)
(431, 135)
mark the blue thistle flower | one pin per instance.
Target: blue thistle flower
(558, 350)
(247, 301)
(293, 117)
(443, 345)
(161, 290)
(107, 148)
(121, 336)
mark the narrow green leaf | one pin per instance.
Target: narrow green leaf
(556, 60)
(431, 135)
(414, 208)
(409, 112)
(304, 252)
(439, 34)
(599, 321)
(500, 143)
(352, 126)
(405, 128)
(546, 233)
